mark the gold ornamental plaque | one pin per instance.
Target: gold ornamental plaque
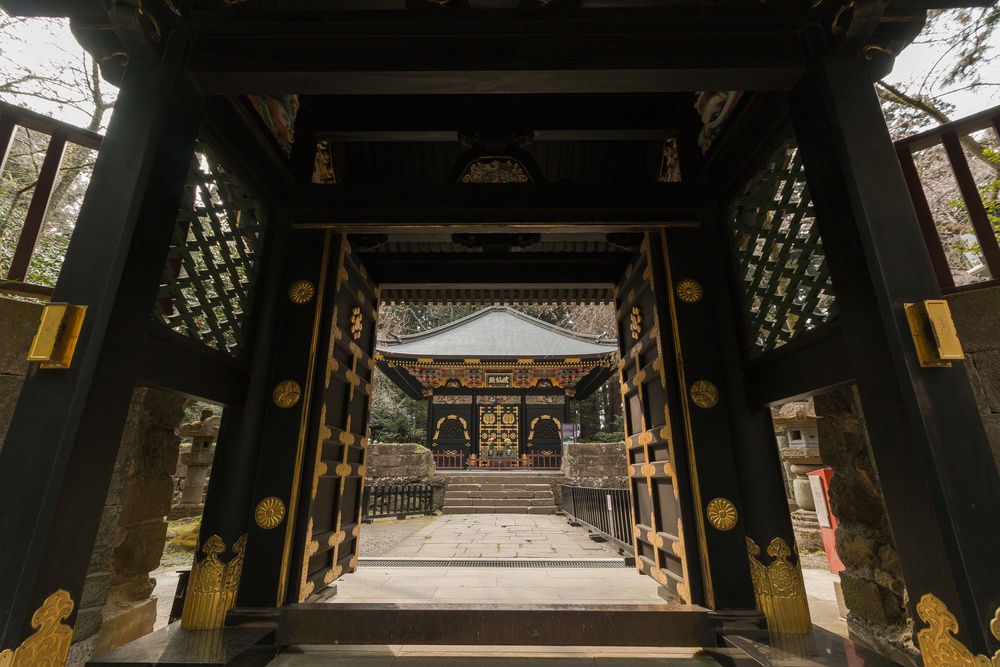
(704, 394)
(287, 394)
(722, 514)
(301, 291)
(689, 291)
(270, 513)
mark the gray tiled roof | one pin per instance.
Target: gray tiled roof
(498, 332)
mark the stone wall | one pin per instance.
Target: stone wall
(403, 463)
(116, 606)
(977, 319)
(602, 465)
(872, 582)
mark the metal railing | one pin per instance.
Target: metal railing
(545, 461)
(397, 500)
(950, 136)
(608, 511)
(449, 461)
(61, 135)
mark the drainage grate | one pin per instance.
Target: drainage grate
(603, 563)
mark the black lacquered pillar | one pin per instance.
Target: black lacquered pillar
(60, 450)
(942, 488)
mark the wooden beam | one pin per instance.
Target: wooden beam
(490, 268)
(815, 363)
(586, 51)
(176, 363)
(335, 116)
(370, 208)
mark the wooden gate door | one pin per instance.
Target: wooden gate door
(334, 463)
(666, 544)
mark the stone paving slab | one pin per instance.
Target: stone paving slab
(499, 656)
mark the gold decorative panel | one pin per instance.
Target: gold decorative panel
(498, 429)
(49, 645)
(779, 589)
(938, 644)
(212, 587)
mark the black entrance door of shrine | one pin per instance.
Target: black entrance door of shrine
(315, 431)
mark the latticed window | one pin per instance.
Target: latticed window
(782, 268)
(213, 262)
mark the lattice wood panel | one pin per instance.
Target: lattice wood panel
(208, 281)
(782, 267)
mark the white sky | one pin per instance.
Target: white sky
(47, 46)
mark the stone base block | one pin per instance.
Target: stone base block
(123, 624)
(542, 509)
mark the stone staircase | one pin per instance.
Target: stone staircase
(501, 493)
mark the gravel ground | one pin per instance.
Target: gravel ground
(379, 537)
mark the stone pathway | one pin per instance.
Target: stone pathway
(500, 536)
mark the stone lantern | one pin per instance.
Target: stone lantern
(199, 460)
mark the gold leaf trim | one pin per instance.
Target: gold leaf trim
(49, 644)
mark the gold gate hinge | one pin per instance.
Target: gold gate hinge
(934, 334)
(55, 340)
